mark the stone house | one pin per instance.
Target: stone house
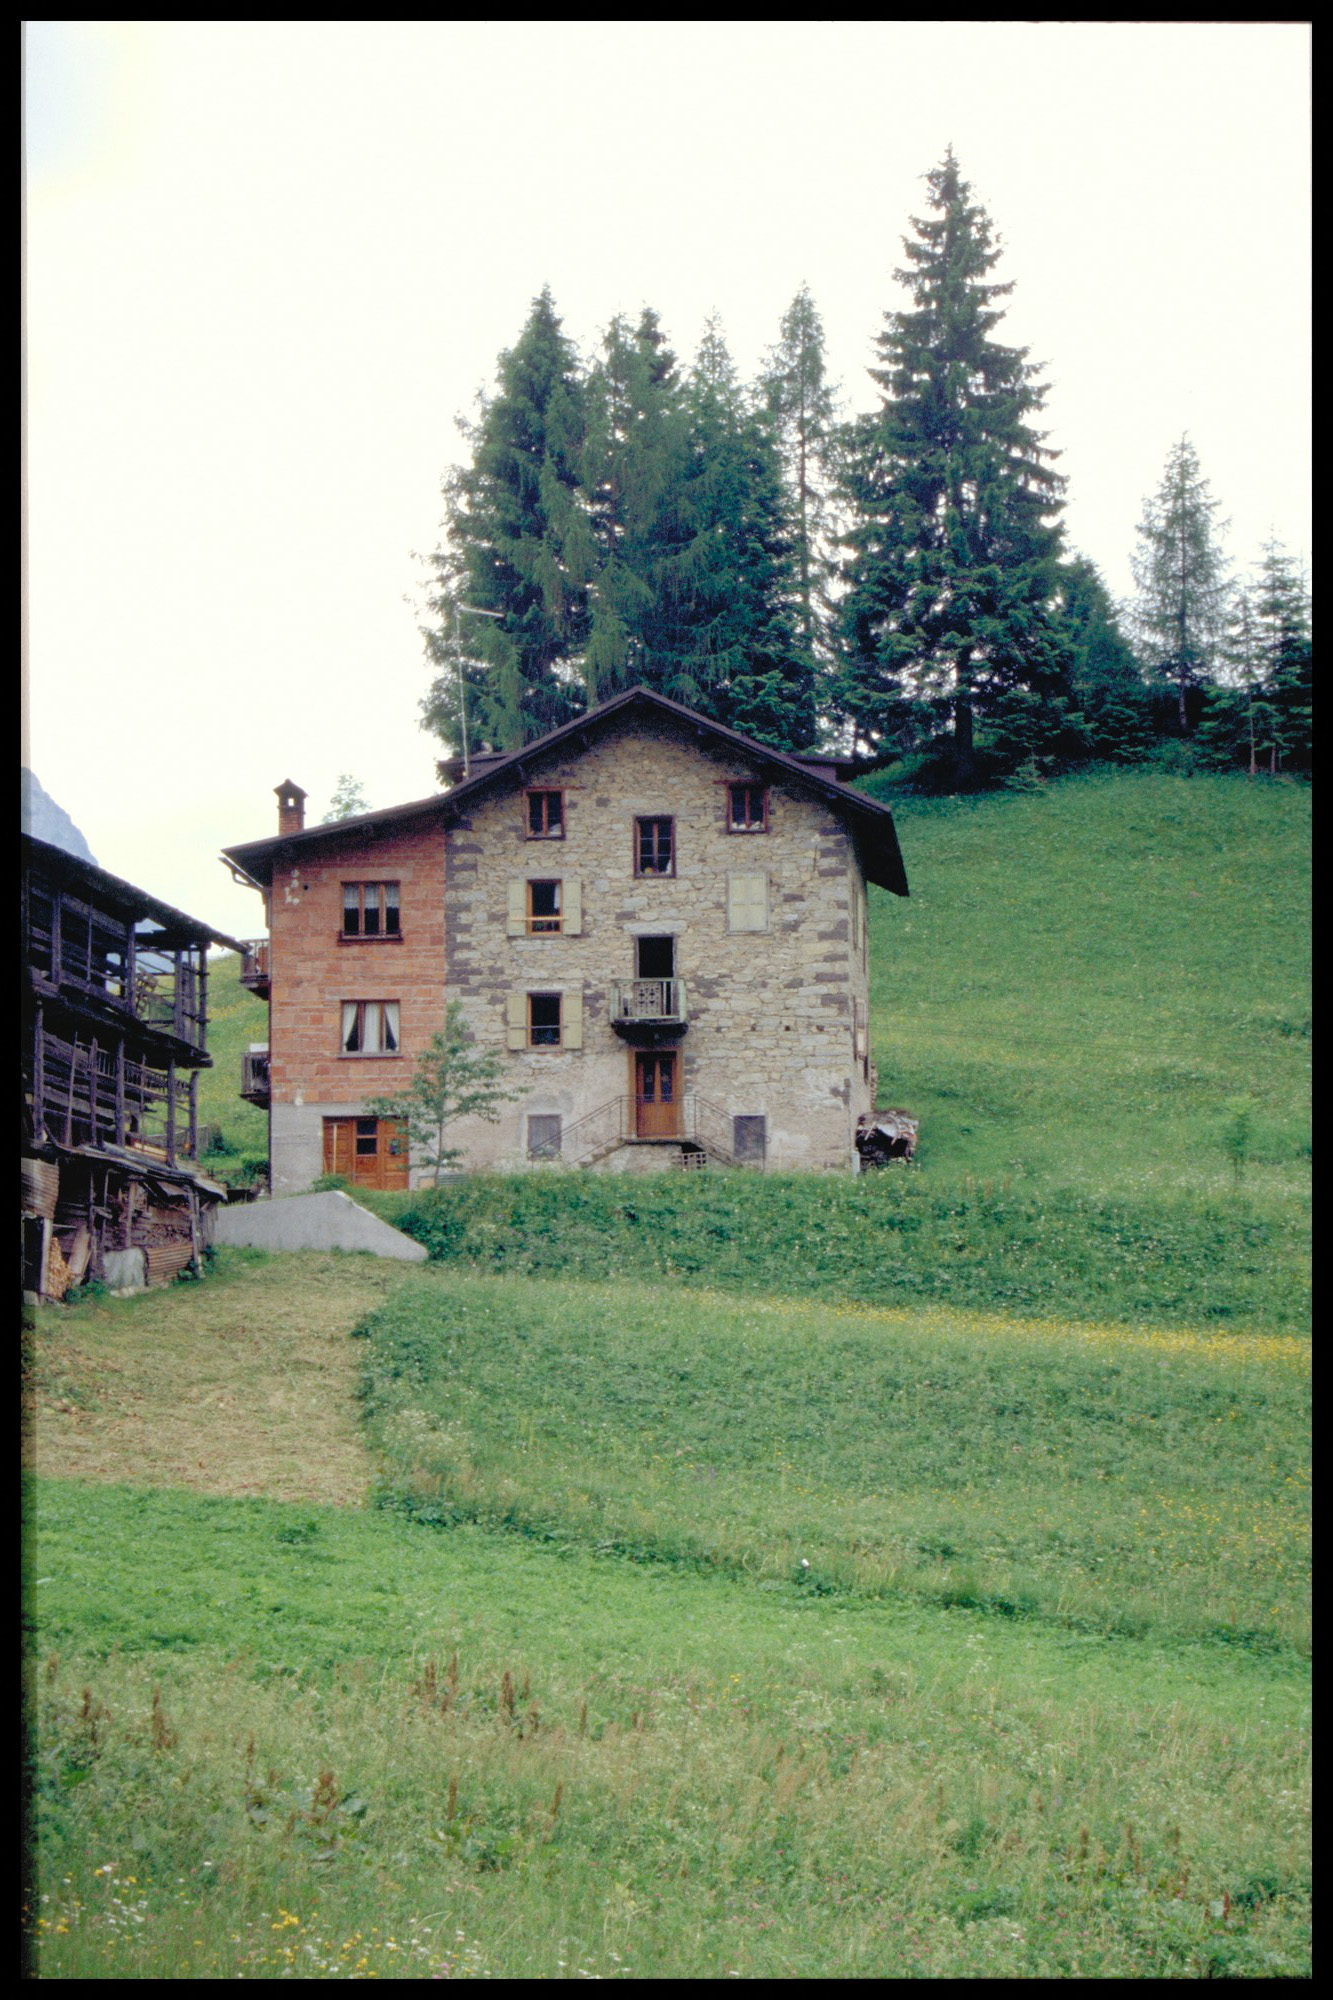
(659, 920)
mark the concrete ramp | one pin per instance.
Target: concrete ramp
(330, 1221)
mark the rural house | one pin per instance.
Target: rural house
(115, 1033)
(661, 921)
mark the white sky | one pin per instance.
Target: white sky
(268, 265)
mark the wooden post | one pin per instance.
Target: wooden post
(194, 1114)
(57, 902)
(120, 1091)
(69, 1099)
(39, 1079)
(202, 1037)
(92, 1090)
(171, 1112)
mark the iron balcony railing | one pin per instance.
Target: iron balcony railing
(648, 1003)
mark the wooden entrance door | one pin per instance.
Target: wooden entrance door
(371, 1152)
(656, 1096)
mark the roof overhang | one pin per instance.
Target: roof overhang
(869, 819)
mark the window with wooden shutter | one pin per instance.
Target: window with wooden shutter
(747, 902)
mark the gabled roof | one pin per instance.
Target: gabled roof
(156, 923)
(870, 821)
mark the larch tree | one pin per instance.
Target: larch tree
(1184, 588)
(954, 540)
(517, 542)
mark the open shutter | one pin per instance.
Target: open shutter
(747, 902)
(516, 1021)
(572, 924)
(571, 1019)
(518, 908)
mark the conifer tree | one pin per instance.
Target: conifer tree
(1184, 589)
(800, 402)
(517, 542)
(634, 468)
(731, 649)
(954, 540)
(1107, 689)
(1285, 650)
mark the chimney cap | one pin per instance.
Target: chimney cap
(288, 787)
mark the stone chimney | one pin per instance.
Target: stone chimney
(291, 807)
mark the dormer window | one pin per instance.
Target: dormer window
(371, 910)
(747, 808)
(545, 815)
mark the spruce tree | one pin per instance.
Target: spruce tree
(800, 402)
(517, 542)
(1182, 579)
(635, 465)
(1286, 655)
(954, 541)
(1107, 690)
(730, 648)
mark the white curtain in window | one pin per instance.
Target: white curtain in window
(351, 1023)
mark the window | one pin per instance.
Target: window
(370, 1027)
(747, 902)
(543, 1020)
(749, 1139)
(654, 847)
(539, 909)
(747, 809)
(543, 1137)
(543, 906)
(545, 815)
(370, 910)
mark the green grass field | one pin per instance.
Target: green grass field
(734, 1575)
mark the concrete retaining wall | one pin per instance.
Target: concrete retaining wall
(330, 1221)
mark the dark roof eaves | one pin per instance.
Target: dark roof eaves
(871, 812)
(166, 915)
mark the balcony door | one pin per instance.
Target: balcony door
(656, 1094)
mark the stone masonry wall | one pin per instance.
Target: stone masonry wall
(777, 1018)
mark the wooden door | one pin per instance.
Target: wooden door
(369, 1152)
(656, 1097)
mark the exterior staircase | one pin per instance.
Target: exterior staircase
(704, 1134)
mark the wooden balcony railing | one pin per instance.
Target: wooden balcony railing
(254, 967)
(254, 1077)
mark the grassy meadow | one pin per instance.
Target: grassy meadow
(727, 1575)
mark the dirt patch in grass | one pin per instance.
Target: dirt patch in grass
(242, 1385)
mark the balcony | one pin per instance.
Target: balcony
(254, 1075)
(254, 967)
(648, 1003)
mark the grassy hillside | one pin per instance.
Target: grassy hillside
(235, 1019)
(1087, 976)
(1108, 1479)
(571, 1702)
(770, 1576)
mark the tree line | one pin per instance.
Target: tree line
(894, 584)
